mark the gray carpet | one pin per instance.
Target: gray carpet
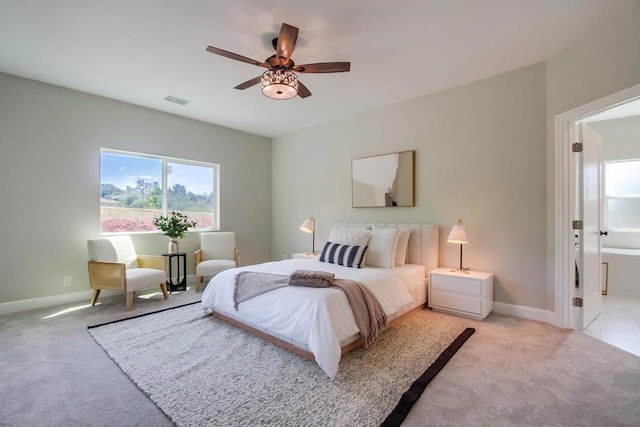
(512, 372)
(523, 373)
(203, 372)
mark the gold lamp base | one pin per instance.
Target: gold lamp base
(461, 268)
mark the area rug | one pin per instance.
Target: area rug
(201, 371)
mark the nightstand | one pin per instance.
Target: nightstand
(305, 255)
(455, 292)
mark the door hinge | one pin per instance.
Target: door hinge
(577, 225)
(576, 147)
(577, 302)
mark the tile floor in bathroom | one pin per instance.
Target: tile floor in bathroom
(619, 323)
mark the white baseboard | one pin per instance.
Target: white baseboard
(524, 312)
(50, 301)
(42, 302)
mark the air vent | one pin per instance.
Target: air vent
(176, 100)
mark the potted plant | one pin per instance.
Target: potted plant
(175, 226)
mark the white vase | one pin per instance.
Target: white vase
(173, 246)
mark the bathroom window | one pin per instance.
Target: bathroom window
(622, 195)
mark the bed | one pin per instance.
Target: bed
(318, 323)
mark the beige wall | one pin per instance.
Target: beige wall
(50, 141)
(604, 63)
(480, 156)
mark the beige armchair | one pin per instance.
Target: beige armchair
(115, 266)
(218, 252)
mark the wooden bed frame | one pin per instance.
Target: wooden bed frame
(297, 350)
(422, 249)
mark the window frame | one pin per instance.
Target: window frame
(607, 197)
(165, 180)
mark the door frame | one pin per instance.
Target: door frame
(565, 187)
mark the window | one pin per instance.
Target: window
(136, 187)
(622, 195)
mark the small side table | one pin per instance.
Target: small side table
(180, 283)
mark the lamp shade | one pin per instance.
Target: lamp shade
(309, 225)
(458, 235)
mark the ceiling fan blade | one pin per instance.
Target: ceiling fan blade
(286, 43)
(303, 92)
(324, 67)
(235, 56)
(254, 81)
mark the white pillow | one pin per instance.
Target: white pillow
(403, 243)
(382, 247)
(353, 236)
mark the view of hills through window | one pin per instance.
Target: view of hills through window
(132, 191)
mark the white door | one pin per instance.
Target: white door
(589, 254)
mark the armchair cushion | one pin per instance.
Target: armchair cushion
(213, 267)
(113, 249)
(218, 245)
(140, 278)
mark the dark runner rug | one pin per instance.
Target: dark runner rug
(201, 371)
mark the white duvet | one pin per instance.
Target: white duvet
(320, 318)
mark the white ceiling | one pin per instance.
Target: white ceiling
(140, 51)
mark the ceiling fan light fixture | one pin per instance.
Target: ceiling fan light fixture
(279, 83)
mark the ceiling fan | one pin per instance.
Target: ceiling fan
(280, 81)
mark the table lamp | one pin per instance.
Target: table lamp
(458, 236)
(309, 226)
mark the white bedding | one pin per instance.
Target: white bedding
(319, 319)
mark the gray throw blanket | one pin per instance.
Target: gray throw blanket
(367, 311)
(249, 284)
(312, 278)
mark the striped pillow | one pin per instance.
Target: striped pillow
(345, 255)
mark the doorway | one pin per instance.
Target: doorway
(619, 321)
(566, 133)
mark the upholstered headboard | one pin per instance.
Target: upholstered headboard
(423, 241)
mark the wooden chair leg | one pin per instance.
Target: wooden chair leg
(94, 297)
(198, 283)
(129, 305)
(163, 286)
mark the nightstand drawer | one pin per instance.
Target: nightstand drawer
(457, 284)
(455, 302)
